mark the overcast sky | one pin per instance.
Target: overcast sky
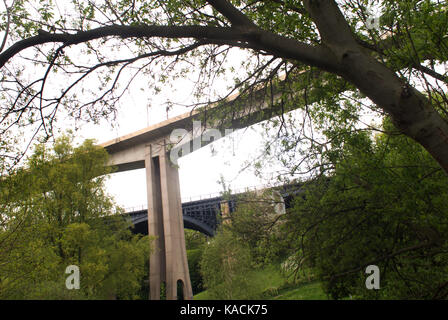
(199, 172)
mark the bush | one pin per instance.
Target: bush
(194, 265)
(224, 266)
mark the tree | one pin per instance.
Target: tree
(246, 243)
(256, 222)
(385, 204)
(195, 243)
(224, 266)
(56, 214)
(323, 48)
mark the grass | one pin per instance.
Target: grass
(271, 284)
(307, 291)
(262, 282)
(201, 296)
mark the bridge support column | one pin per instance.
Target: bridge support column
(168, 261)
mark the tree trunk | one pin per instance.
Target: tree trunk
(410, 110)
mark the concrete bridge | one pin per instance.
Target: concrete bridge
(152, 148)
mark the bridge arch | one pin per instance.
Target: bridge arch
(140, 221)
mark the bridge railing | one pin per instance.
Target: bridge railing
(202, 197)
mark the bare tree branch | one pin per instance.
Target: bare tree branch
(272, 43)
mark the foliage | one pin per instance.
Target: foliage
(319, 57)
(224, 266)
(308, 291)
(57, 214)
(290, 55)
(264, 283)
(385, 204)
(195, 243)
(194, 266)
(245, 243)
(194, 239)
(256, 222)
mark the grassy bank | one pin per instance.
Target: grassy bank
(269, 283)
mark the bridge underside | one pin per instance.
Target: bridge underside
(151, 148)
